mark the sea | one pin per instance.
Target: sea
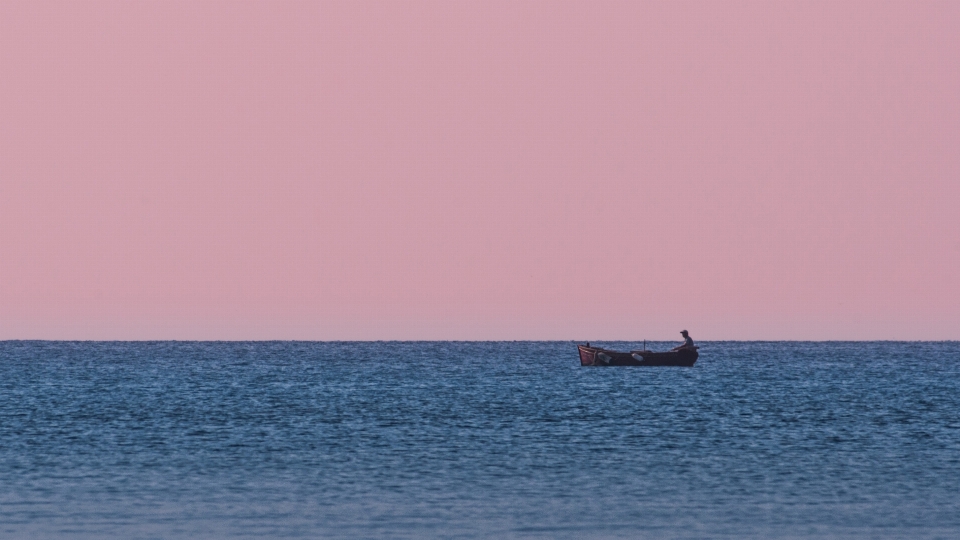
(471, 440)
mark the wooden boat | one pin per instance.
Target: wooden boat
(596, 356)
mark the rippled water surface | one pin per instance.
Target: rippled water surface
(477, 440)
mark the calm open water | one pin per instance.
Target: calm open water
(477, 440)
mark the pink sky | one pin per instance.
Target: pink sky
(479, 170)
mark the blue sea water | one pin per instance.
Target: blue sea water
(477, 440)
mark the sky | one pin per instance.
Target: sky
(480, 170)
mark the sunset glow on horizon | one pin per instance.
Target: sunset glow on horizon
(480, 170)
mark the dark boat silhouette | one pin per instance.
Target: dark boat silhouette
(597, 356)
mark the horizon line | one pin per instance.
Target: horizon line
(43, 340)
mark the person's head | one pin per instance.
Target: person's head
(683, 333)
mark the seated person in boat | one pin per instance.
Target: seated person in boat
(687, 342)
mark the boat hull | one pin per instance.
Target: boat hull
(596, 356)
